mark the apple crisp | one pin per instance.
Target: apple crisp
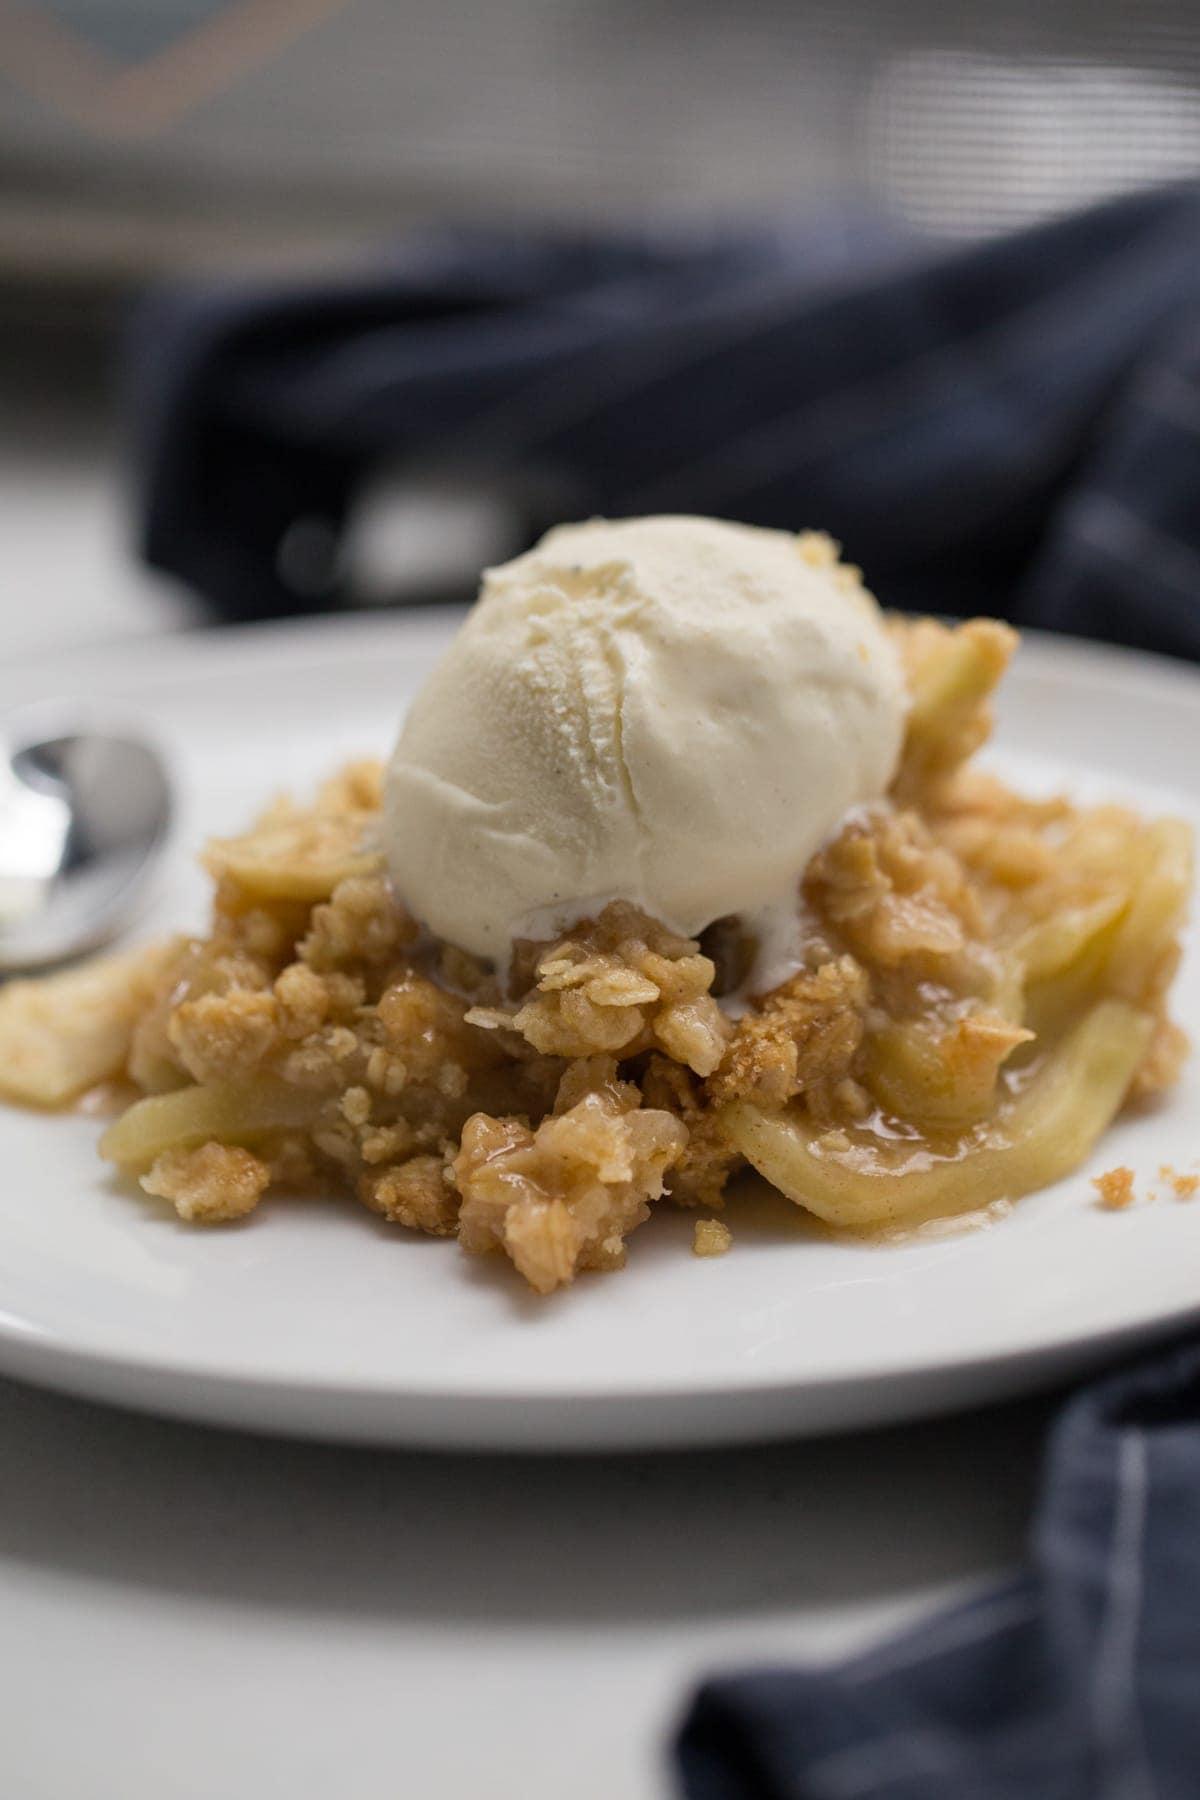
(980, 982)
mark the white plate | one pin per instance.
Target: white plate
(317, 1318)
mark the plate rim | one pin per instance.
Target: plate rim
(1101, 659)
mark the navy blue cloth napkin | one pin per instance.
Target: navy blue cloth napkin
(1011, 428)
(1081, 1681)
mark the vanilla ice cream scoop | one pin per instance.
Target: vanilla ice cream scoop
(671, 711)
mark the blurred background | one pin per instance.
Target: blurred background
(143, 139)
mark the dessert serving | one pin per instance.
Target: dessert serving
(681, 864)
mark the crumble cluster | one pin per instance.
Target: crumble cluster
(1115, 1188)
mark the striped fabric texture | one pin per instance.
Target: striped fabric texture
(1012, 428)
(1081, 1681)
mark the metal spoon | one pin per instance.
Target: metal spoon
(83, 816)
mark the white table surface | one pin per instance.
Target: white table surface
(192, 1615)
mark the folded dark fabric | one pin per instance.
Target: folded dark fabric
(1013, 427)
(1081, 1681)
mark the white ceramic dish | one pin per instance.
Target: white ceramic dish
(318, 1319)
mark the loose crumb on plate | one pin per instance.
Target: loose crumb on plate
(711, 1238)
(1183, 1186)
(1115, 1188)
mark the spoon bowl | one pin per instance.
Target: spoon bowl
(83, 818)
